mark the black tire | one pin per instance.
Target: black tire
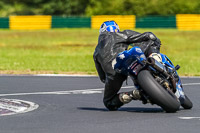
(187, 104)
(165, 99)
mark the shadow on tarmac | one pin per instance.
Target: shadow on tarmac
(127, 109)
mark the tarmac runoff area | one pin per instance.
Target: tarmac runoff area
(61, 103)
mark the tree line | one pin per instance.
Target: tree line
(98, 7)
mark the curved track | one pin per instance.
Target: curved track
(74, 105)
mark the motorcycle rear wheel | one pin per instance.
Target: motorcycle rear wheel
(158, 95)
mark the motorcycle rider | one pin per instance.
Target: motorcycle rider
(111, 42)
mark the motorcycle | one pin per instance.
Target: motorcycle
(156, 78)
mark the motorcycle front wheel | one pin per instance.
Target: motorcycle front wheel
(187, 104)
(158, 95)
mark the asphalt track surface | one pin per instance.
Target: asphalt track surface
(67, 106)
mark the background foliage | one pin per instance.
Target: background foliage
(98, 7)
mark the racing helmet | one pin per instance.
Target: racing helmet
(110, 26)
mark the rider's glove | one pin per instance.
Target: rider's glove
(153, 37)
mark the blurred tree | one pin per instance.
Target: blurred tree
(46, 7)
(64, 7)
(142, 7)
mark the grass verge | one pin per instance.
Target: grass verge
(67, 51)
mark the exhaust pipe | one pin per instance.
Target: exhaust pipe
(157, 65)
(161, 68)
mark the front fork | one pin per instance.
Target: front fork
(179, 91)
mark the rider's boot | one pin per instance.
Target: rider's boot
(126, 97)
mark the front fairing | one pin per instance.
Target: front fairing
(179, 88)
(166, 61)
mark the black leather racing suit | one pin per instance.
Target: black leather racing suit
(110, 44)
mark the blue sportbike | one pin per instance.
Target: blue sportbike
(156, 78)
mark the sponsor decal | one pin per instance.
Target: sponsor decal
(121, 56)
(138, 50)
(137, 69)
(133, 64)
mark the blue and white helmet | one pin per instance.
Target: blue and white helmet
(110, 26)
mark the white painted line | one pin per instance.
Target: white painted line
(87, 91)
(84, 91)
(63, 75)
(191, 84)
(70, 75)
(188, 118)
(190, 77)
(48, 75)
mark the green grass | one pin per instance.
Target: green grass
(70, 50)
